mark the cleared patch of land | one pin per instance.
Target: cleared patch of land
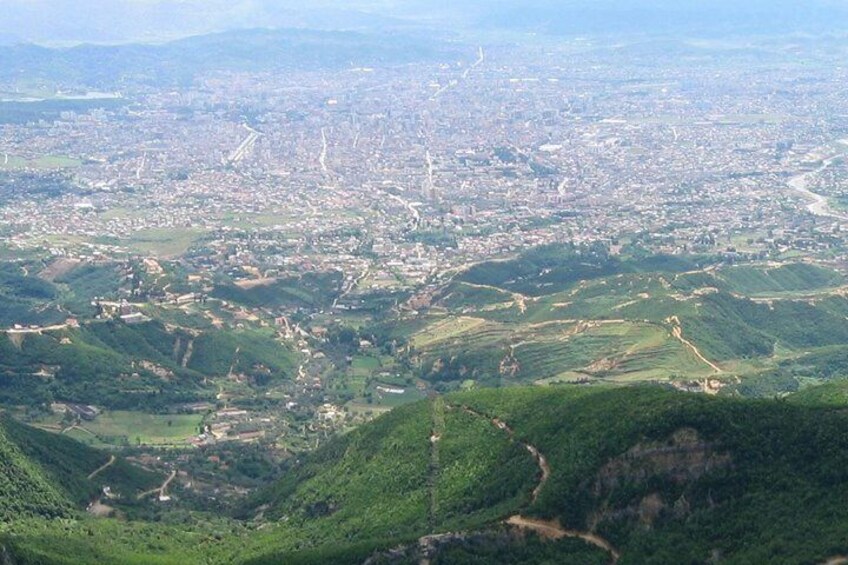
(164, 242)
(47, 162)
(133, 428)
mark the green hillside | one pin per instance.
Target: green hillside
(676, 478)
(664, 477)
(38, 292)
(833, 395)
(67, 464)
(795, 277)
(27, 491)
(580, 475)
(49, 475)
(24, 297)
(122, 366)
(317, 290)
(565, 314)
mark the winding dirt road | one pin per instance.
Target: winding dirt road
(102, 467)
(677, 332)
(161, 490)
(550, 529)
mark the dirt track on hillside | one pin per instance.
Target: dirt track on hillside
(102, 467)
(161, 490)
(677, 332)
(550, 529)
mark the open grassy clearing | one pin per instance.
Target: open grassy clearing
(164, 242)
(446, 329)
(88, 438)
(387, 394)
(364, 365)
(47, 162)
(119, 427)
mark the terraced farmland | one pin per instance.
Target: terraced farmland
(708, 328)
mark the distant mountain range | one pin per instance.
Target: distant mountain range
(122, 21)
(178, 62)
(59, 22)
(692, 17)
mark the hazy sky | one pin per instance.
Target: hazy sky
(60, 21)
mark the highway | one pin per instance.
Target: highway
(322, 158)
(481, 57)
(245, 147)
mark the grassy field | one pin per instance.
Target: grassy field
(88, 438)
(121, 427)
(164, 242)
(47, 162)
(365, 409)
(364, 365)
(392, 399)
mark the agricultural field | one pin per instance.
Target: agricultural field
(364, 365)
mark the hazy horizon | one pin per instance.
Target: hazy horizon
(110, 21)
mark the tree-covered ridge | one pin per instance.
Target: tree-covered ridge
(68, 465)
(122, 366)
(49, 476)
(661, 476)
(671, 477)
(36, 292)
(26, 490)
(655, 472)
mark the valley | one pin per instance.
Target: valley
(194, 382)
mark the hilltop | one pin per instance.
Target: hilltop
(654, 475)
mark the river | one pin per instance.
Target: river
(819, 205)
